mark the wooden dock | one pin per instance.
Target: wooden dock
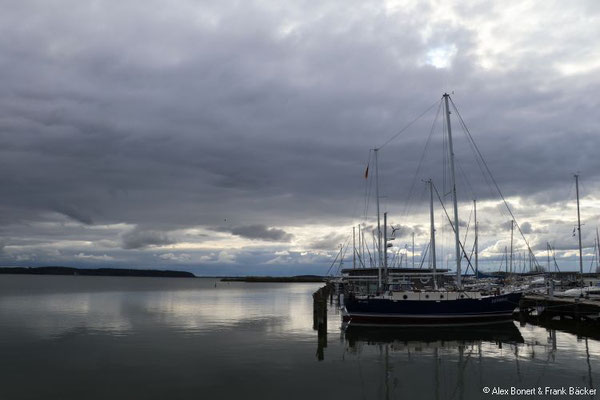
(546, 307)
(320, 299)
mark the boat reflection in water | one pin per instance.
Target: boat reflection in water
(505, 332)
(460, 360)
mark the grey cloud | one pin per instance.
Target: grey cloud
(263, 115)
(330, 241)
(261, 232)
(405, 231)
(138, 239)
(74, 213)
(526, 227)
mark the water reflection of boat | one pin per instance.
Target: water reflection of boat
(497, 333)
(454, 356)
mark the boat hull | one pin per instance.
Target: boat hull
(430, 312)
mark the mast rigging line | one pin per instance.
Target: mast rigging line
(464, 126)
(411, 190)
(420, 165)
(468, 225)
(368, 185)
(334, 260)
(344, 249)
(554, 257)
(413, 184)
(340, 254)
(407, 126)
(424, 255)
(464, 252)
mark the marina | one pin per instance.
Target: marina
(396, 302)
(266, 200)
(384, 295)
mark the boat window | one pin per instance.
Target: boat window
(405, 297)
(441, 296)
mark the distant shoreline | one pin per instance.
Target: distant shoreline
(95, 272)
(298, 278)
(128, 272)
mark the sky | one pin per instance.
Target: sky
(232, 137)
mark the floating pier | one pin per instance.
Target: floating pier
(547, 307)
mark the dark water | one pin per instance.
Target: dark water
(160, 338)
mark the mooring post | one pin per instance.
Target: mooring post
(320, 319)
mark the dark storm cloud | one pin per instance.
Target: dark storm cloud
(74, 213)
(262, 232)
(169, 117)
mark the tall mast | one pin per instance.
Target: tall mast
(378, 217)
(413, 249)
(385, 247)
(432, 233)
(353, 247)
(362, 249)
(598, 259)
(512, 229)
(359, 250)
(548, 255)
(579, 229)
(453, 175)
(594, 256)
(476, 241)
(376, 259)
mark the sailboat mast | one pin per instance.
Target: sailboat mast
(512, 229)
(413, 249)
(378, 218)
(374, 244)
(353, 247)
(385, 264)
(363, 246)
(359, 249)
(476, 241)
(548, 255)
(579, 229)
(598, 259)
(453, 175)
(432, 233)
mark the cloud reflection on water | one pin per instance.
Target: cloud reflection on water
(278, 309)
(204, 337)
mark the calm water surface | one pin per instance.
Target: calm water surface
(159, 338)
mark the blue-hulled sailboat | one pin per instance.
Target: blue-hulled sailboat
(437, 306)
